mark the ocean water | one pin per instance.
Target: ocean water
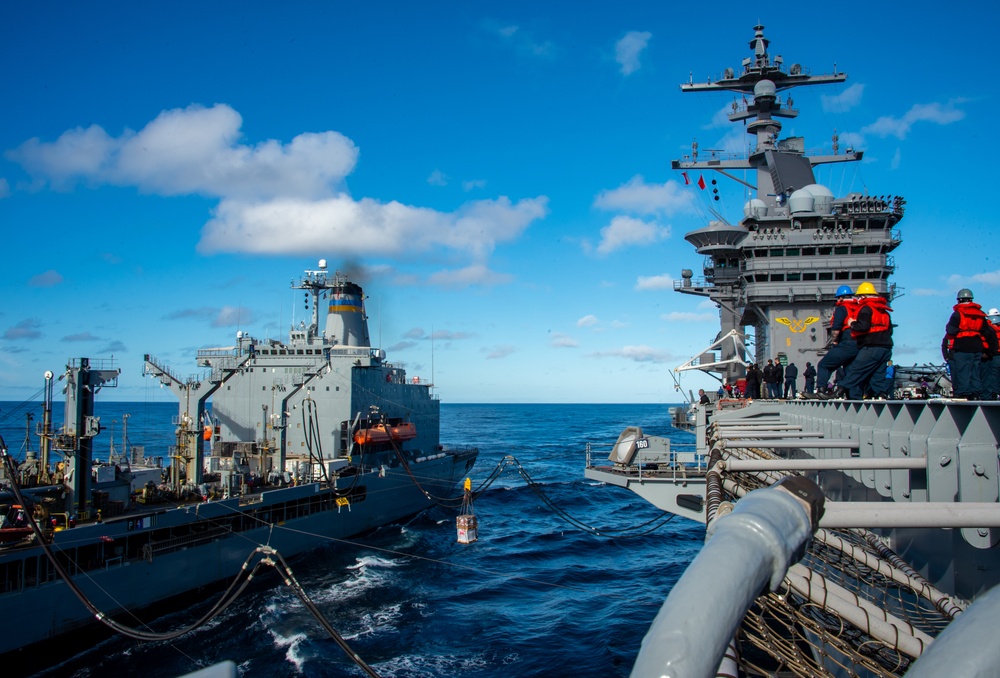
(534, 596)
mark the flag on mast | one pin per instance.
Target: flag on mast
(687, 179)
(701, 182)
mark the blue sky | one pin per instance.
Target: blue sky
(498, 174)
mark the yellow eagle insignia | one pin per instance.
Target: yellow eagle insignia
(796, 325)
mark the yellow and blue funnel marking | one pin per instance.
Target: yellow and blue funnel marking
(345, 303)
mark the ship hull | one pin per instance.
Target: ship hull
(218, 542)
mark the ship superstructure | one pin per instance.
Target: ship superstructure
(286, 406)
(776, 270)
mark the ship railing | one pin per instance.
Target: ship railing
(95, 363)
(676, 465)
(679, 464)
(229, 352)
(694, 284)
(161, 369)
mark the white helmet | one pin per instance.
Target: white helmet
(994, 311)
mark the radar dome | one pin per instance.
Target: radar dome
(764, 88)
(755, 208)
(824, 198)
(801, 201)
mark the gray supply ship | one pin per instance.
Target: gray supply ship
(283, 445)
(852, 538)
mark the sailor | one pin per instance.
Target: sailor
(810, 375)
(889, 387)
(972, 338)
(703, 397)
(871, 328)
(779, 378)
(753, 382)
(769, 379)
(791, 374)
(843, 348)
(991, 372)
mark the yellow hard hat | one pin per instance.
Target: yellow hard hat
(866, 288)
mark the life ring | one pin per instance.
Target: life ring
(206, 434)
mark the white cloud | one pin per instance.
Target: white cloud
(719, 120)
(437, 178)
(655, 282)
(897, 158)
(476, 274)
(851, 140)
(401, 346)
(357, 227)
(638, 197)
(625, 231)
(275, 198)
(193, 151)
(682, 316)
(628, 49)
(989, 278)
(29, 328)
(50, 278)
(940, 114)
(4, 188)
(559, 340)
(448, 335)
(499, 352)
(587, 321)
(845, 101)
(233, 316)
(114, 347)
(473, 184)
(639, 354)
(522, 41)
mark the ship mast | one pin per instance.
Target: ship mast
(776, 271)
(761, 79)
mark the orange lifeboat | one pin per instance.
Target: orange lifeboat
(383, 433)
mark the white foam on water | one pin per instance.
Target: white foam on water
(368, 572)
(432, 666)
(378, 621)
(291, 645)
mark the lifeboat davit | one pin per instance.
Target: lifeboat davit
(383, 433)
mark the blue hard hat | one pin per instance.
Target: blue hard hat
(844, 291)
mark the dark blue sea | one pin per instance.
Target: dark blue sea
(534, 596)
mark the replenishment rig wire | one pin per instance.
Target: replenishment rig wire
(269, 555)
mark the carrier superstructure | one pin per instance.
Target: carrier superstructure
(774, 272)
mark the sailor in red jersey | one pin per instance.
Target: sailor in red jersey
(972, 338)
(872, 330)
(843, 349)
